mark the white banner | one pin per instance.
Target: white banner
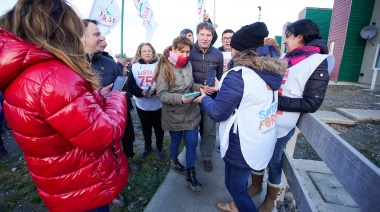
(144, 10)
(201, 9)
(106, 13)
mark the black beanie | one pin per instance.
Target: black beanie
(249, 36)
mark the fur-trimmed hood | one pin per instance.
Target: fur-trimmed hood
(270, 69)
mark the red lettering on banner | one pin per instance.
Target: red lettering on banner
(146, 12)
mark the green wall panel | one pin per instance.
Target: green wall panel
(322, 17)
(278, 39)
(360, 16)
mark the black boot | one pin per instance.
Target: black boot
(191, 181)
(178, 167)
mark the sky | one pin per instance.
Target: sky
(174, 15)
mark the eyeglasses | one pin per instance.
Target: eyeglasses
(226, 38)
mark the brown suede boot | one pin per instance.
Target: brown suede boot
(270, 198)
(230, 207)
(257, 183)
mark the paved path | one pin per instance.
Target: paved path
(323, 187)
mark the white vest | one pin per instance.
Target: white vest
(143, 74)
(293, 85)
(255, 119)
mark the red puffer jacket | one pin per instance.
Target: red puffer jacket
(69, 133)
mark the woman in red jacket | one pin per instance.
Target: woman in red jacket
(68, 129)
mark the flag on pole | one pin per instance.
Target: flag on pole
(144, 10)
(106, 13)
(201, 9)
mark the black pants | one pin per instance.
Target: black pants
(128, 137)
(148, 120)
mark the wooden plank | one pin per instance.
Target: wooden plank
(359, 176)
(300, 194)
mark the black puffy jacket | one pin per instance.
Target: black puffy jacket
(315, 87)
(107, 68)
(202, 62)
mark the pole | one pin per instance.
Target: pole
(121, 28)
(259, 12)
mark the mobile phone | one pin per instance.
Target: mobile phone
(192, 95)
(210, 78)
(147, 91)
(119, 83)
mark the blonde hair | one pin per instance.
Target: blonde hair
(54, 26)
(138, 52)
(164, 65)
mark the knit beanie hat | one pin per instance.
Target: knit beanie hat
(249, 36)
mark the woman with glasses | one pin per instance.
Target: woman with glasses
(142, 87)
(181, 116)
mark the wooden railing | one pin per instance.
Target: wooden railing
(359, 176)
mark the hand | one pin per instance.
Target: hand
(152, 91)
(186, 100)
(205, 17)
(105, 90)
(144, 93)
(199, 98)
(208, 90)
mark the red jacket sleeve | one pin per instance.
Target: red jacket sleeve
(78, 113)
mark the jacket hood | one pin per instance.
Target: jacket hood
(16, 55)
(270, 69)
(319, 43)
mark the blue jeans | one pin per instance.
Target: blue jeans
(191, 139)
(236, 182)
(275, 163)
(105, 208)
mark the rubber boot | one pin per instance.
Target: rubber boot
(191, 181)
(230, 207)
(178, 167)
(270, 198)
(257, 183)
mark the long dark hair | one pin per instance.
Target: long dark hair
(305, 27)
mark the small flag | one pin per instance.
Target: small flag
(144, 10)
(106, 13)
(201, 9)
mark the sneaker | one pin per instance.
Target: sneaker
(159, 154)
(146, 152)
(119, 201)
(218, 149)
(4, 154)
(178, 167)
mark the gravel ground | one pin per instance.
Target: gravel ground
(365, 137)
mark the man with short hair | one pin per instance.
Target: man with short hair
(226, 40)
(204, 57)
(107, 68)
(104, 66)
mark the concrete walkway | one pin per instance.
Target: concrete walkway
(323, 187)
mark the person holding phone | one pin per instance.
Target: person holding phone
(147, 105)
(180, 116)
(204, 57)
(246, 106)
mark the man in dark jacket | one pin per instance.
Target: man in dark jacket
(204, 57)
(107, 68)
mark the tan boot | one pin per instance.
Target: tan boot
(270, 198)
(257, 183)
(230, 207)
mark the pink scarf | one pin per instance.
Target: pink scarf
(176, 60)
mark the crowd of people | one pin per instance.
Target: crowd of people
(77, 133)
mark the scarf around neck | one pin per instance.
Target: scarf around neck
(300, 53)
(176, 60)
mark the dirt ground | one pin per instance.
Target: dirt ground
(365, 137)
